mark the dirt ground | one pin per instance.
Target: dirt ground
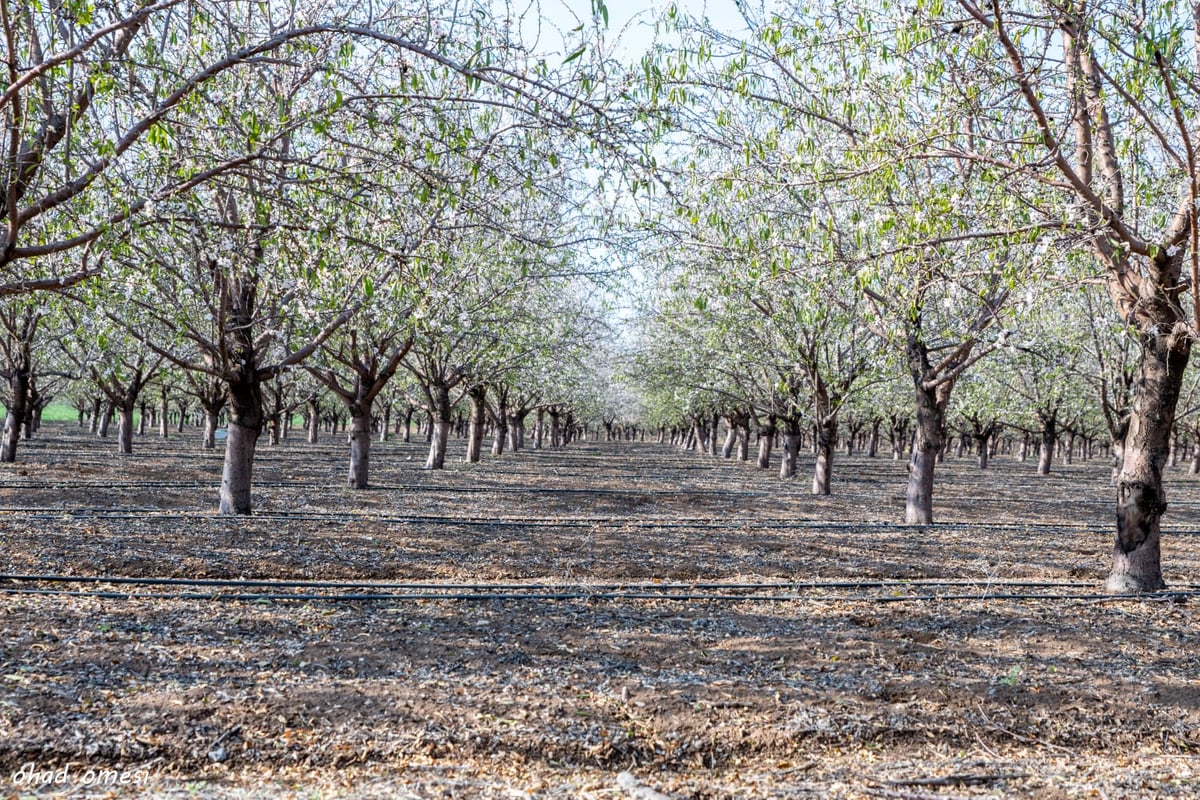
(711, 630)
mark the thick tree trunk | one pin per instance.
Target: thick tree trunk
(408, 415)
(314, 420)
(478, 421)
(245, 422)
(537, 431)
(516, 432)
(125, 430)
(730, 439)
(1137, 565)
(105, 421)
(873, 441)
(360, 444)
(164, 409)
(826, 437)
(984, 450)
(1049, 438)
(500, 439)
(94, 424)
(385, 427)
(918, 506)
(442, 418)
(791, 451)
(211, 419)
(766, 441)
(743, 440)
(19, 385)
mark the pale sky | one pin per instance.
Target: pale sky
(631, 24)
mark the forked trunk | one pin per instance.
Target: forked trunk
(1141, 501)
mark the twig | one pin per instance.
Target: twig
(638, 790)
(875, 791)
(959, 780)
(1020, 737)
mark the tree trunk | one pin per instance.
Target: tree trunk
(19, 383)
(730, 439)
(360, 444)
(385, 428)
(441, 417)
(478, 420)
(918, 507)
(984, 450)
(501, 436)
(245, 422)
(826, 437)
(211, 418)
(164, 408)
(105, 421)
(791, 451)
(516, 432)
(1137, 565)
(1049, 438)
(125, 430)
(314, 420)
(766, 440)
(537, 431)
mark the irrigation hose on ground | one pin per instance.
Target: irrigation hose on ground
(887, 591)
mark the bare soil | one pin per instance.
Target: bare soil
(989, 688)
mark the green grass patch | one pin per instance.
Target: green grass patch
(56, 412)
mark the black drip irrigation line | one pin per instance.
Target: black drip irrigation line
(399, 487)
(664, 586)
(51, 512)
(1167, 596)
(685, 592)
